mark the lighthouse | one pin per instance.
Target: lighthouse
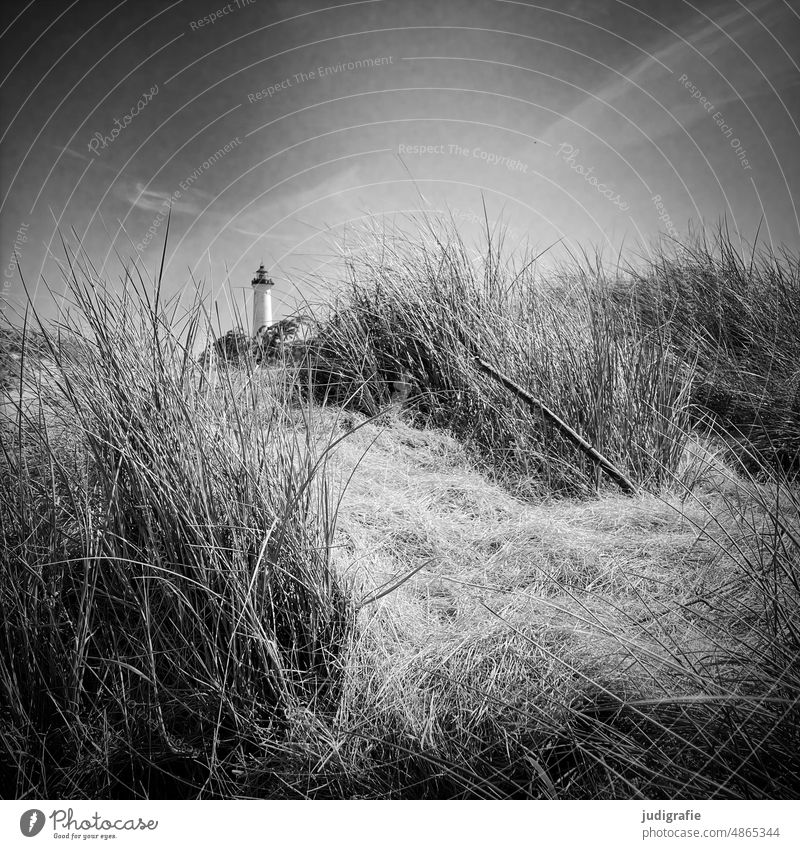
(262, 300)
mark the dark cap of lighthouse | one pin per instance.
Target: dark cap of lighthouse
(261, 278)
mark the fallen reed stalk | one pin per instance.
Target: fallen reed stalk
(605, 464)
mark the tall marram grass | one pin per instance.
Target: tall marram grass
(738, 314)
(419, 312)
(166, 596)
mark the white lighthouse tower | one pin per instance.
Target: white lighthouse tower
(262, 300)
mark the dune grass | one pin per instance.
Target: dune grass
(738, 315)
(167, 598)
(421, 313)
(213, 585)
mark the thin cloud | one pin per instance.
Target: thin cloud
(154, 201)
(68, 151)
(253, 234)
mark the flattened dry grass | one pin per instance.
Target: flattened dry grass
(614, 648)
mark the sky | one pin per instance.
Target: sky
(275, 132)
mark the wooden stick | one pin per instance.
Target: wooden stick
(605, 464)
